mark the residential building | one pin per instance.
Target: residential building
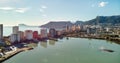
(91, 30)
(67, 28)
(1, 31)
(44, 33)
(15, 29)
(29, 34)
(52, 32)
(14, 38)
(78, 28)
(35, 34)
(59, 33)
(73, 28)
(20, 36)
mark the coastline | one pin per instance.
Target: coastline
(108, 38)
(8, 56)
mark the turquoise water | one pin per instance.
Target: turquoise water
(74, 50)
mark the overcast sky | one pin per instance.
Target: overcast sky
(38, 12)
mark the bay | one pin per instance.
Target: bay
(72, 50)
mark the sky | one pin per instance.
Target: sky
(38, 12)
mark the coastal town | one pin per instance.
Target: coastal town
(59, 31)
(111, 33)
(18, 40)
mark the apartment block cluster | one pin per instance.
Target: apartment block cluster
(94, 29)
(19, 36)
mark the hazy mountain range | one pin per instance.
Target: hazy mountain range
(24, 25)
(113, 20)
(59, 24)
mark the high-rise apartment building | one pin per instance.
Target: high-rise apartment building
(29, 34)
(15, 29)
(20, 36)
(1, 31)
(35, 34)
(52, 32)
(14, 38)
(44, 33)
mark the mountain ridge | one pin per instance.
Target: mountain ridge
(113, 20)
(59, 24)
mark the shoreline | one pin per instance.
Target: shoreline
(8, 56)
(114, 40)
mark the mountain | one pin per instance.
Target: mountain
(59, 24)
(24, 25)
(113, 20)
(79, 23)
(102, 20)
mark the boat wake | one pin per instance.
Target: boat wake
(105, 49)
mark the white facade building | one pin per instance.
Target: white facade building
(14, 38)
(28, 34)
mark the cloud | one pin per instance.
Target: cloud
(44, 15)
(102, 4)
(41, 10)
(6, 8)
(7, 1)
(43, 7)
(21, 10)
(3, 1)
